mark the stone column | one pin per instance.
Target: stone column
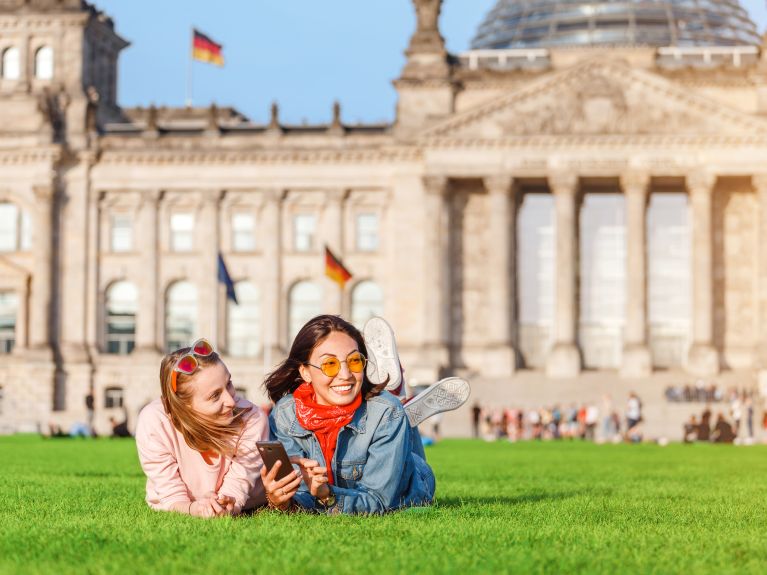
(703, 359)
(436, 264)
(332, 226)
(637, 361)
(40, 311)
(565, 359)
(273, 304)
(502, 219)
(760, 186)
(148, 338)
(207, 277)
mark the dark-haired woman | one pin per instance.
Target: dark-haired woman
(360, 453)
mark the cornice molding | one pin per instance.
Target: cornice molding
(162, 157)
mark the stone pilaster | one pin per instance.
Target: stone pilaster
(565, 359)
(636, 361)
(208, 246)
(760, 185)
(333, 235)
(273, 304)
(436, 263)
(703, 359)
(40, 309)
(502, 219)
(148, 337)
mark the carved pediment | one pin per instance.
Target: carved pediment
(599, 98)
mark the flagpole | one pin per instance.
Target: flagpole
(189, 75)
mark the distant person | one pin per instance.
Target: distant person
(120, 428)
(704, 428)
(89, 409)
(633, 411)
(476, 414)
(723, 431)
(690, 432)
(592, 418)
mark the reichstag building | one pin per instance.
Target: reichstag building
(583, 191)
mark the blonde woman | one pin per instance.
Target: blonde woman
(197, 443)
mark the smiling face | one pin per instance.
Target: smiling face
(344, 387)
(213, 393)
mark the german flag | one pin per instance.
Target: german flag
(335, 270)
(206, 50)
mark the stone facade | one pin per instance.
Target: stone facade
(444, 185)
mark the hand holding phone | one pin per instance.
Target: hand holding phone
(272, 452)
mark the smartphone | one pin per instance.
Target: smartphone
(272, 452)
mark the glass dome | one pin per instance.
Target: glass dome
(549, 23)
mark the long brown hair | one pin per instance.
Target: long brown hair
(286, 378)
(200, 432)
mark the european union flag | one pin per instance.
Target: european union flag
(226, 279)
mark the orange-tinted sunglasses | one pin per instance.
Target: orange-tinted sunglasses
(187, 363)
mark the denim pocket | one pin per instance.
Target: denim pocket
(350, 472)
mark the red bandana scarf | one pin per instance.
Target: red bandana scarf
(325, 421)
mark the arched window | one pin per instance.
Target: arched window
(244, 321)
(305, 302)
(121, 307)
(367, 301)
(180, 315)
(15, 228)
(9, 305)
(44, 63)
(11, 69)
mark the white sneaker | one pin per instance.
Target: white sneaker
(445, 395)
(383, 360)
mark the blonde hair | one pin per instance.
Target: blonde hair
(200, 432)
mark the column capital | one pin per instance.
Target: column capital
(700, 182)
(500, 184)
(273, 195)
(336, 195)
(759, 181)
(635, 182)
(151, 197)
(563, 183)
(211, 197)
(43, 193)
(435, 185)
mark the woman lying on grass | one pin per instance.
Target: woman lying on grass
(360, 448)
(196, 444)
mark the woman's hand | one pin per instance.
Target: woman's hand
(207, 507)
(315, 477)
(229, 504)
(279, 492)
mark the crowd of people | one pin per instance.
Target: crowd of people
(737, 428)
(701, 393)
(586, 421)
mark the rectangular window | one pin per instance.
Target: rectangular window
(113, 397)
(182, 232)
(243, 233)
(304, 229)
(9, 303)
(9, 220)
(122, 233)
(367, 232)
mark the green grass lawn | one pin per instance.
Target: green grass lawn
(76, 506)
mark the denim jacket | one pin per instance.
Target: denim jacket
(377, 466)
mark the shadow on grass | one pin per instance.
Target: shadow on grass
(512, 500)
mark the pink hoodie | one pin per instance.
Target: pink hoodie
(177, 473)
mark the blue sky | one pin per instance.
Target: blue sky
(305, 54)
